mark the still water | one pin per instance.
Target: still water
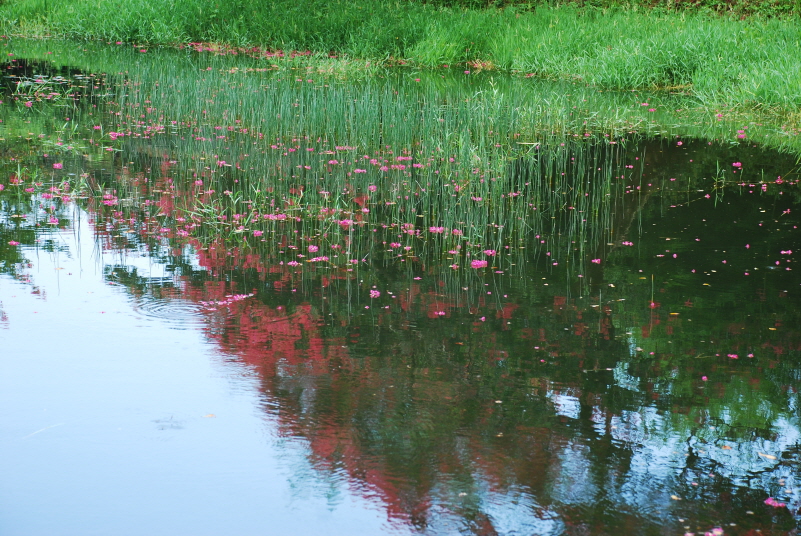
(216, 321)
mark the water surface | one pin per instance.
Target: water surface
(214, 319)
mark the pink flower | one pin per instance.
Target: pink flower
(596, 261)
(2, 187)
(478, 264)
(29, 104)
(375, 294)
(372, 187)
(313, 249)
(13, 243)
(58, 165)
(489, 252)
(737, 164)
(258, 233)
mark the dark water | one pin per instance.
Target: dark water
(632, 368)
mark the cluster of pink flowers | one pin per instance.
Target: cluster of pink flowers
(319, 259)
(596, 261)
(275, 216)
(478, 264)
(490, 252)
(436, 229)
(770, 501)
(375, 293)
(227, 301)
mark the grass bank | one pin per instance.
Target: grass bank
(719, 59)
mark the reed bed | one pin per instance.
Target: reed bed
(455, 175)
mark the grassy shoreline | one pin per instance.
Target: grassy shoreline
(754, 62)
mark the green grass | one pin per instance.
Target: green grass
(756, 61)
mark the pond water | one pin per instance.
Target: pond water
(258, 296)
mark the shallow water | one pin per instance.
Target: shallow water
(627, 360)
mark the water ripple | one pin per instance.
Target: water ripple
(178, 313)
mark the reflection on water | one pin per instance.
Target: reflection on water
(622, 357)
